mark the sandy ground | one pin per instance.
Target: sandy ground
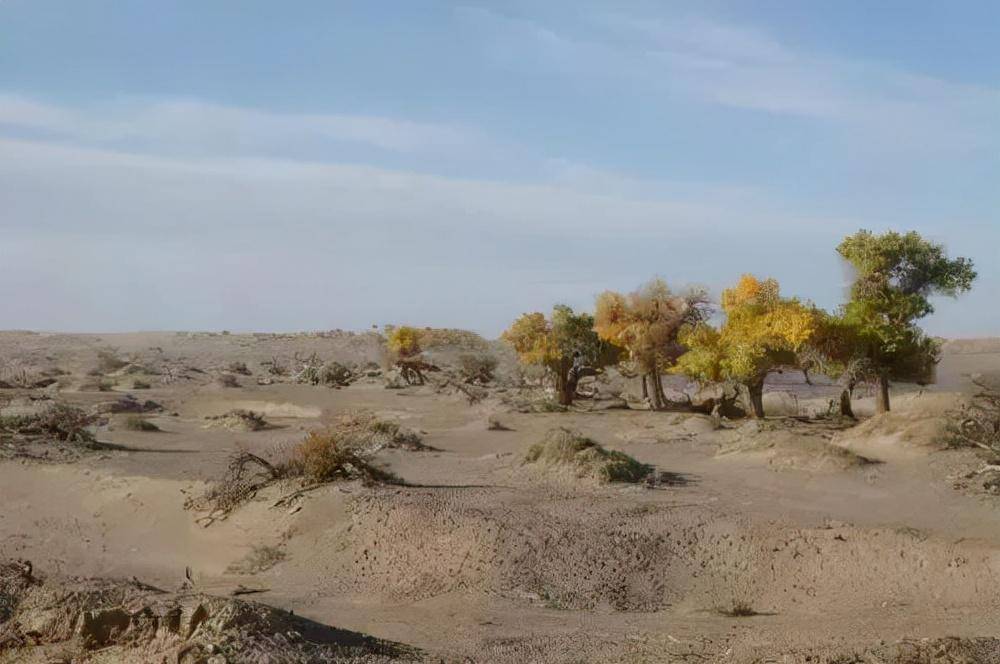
(839, 540)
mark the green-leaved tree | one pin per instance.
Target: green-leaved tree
(895, 275)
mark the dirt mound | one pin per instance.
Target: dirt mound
(917, 425)
(569, 452)
(786, 449)
(572, 553)
(126, 621)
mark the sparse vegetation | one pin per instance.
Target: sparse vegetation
(137, 423)
(329, 455)
(477, 367)
(565, 448)
(227, 380)
(238, 367)
(59, 421)
(259, 559)
(140, 385)
(239, 420)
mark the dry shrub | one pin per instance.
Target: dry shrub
(565, 448)
(239, 420)
(259, 559)
(62, 422)
(108, 362)
(326, 456)
(227, 380)
(246, 475)
(477, 367)
(323, 456)
(136, 423)
(238, 368)
(371, 433)
(140, 385)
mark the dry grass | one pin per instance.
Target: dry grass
(585, 458)
(227, 380)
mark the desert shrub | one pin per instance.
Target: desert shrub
(238, 368)
(493, 423)
(105, 386)
(227, 380)
(259, 559)
(334, 374)
(239, 420)
(140, 385)
(563, 447)
(136, 423)
(61, 421)
(276, 367)
(108, 362)
(368, 432)
(977, 423)
(739, 608)
(325, 456)
(477, 367)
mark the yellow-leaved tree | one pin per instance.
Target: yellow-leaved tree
(646, 323)
(405, 352)
(565, 344)
(762, 332)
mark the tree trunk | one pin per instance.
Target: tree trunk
(756, 390)
(645, 387)
(805, 372)
(845, 404)
(882, 393)
(654, 376)
(564, 389)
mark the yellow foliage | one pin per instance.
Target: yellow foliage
(531, 337)
(762, 330)
(644, 322)
(404, 341)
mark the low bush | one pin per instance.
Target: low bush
(326, 456)
(477, 367)
(569, 449)
(136, 423)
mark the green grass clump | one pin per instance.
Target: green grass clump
(136, 423)
(563, 447)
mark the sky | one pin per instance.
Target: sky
(255, 165)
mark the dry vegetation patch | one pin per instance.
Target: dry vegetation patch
(238, 420)
(342, 452)
(565, 449)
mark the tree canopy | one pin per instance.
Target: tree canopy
(556, 342)
(762, 331)
(895, 275)
(645, 323)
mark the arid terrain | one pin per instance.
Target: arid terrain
(799, 538)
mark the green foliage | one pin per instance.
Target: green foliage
(895, 277)
(552, 342)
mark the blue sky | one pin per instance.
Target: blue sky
(256, 165)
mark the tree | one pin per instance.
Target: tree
(565, 344)
(895, 277)
(762, 332)
(405, 352)
(645, 323)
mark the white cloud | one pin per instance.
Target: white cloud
(745, 68)
(198, 126)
